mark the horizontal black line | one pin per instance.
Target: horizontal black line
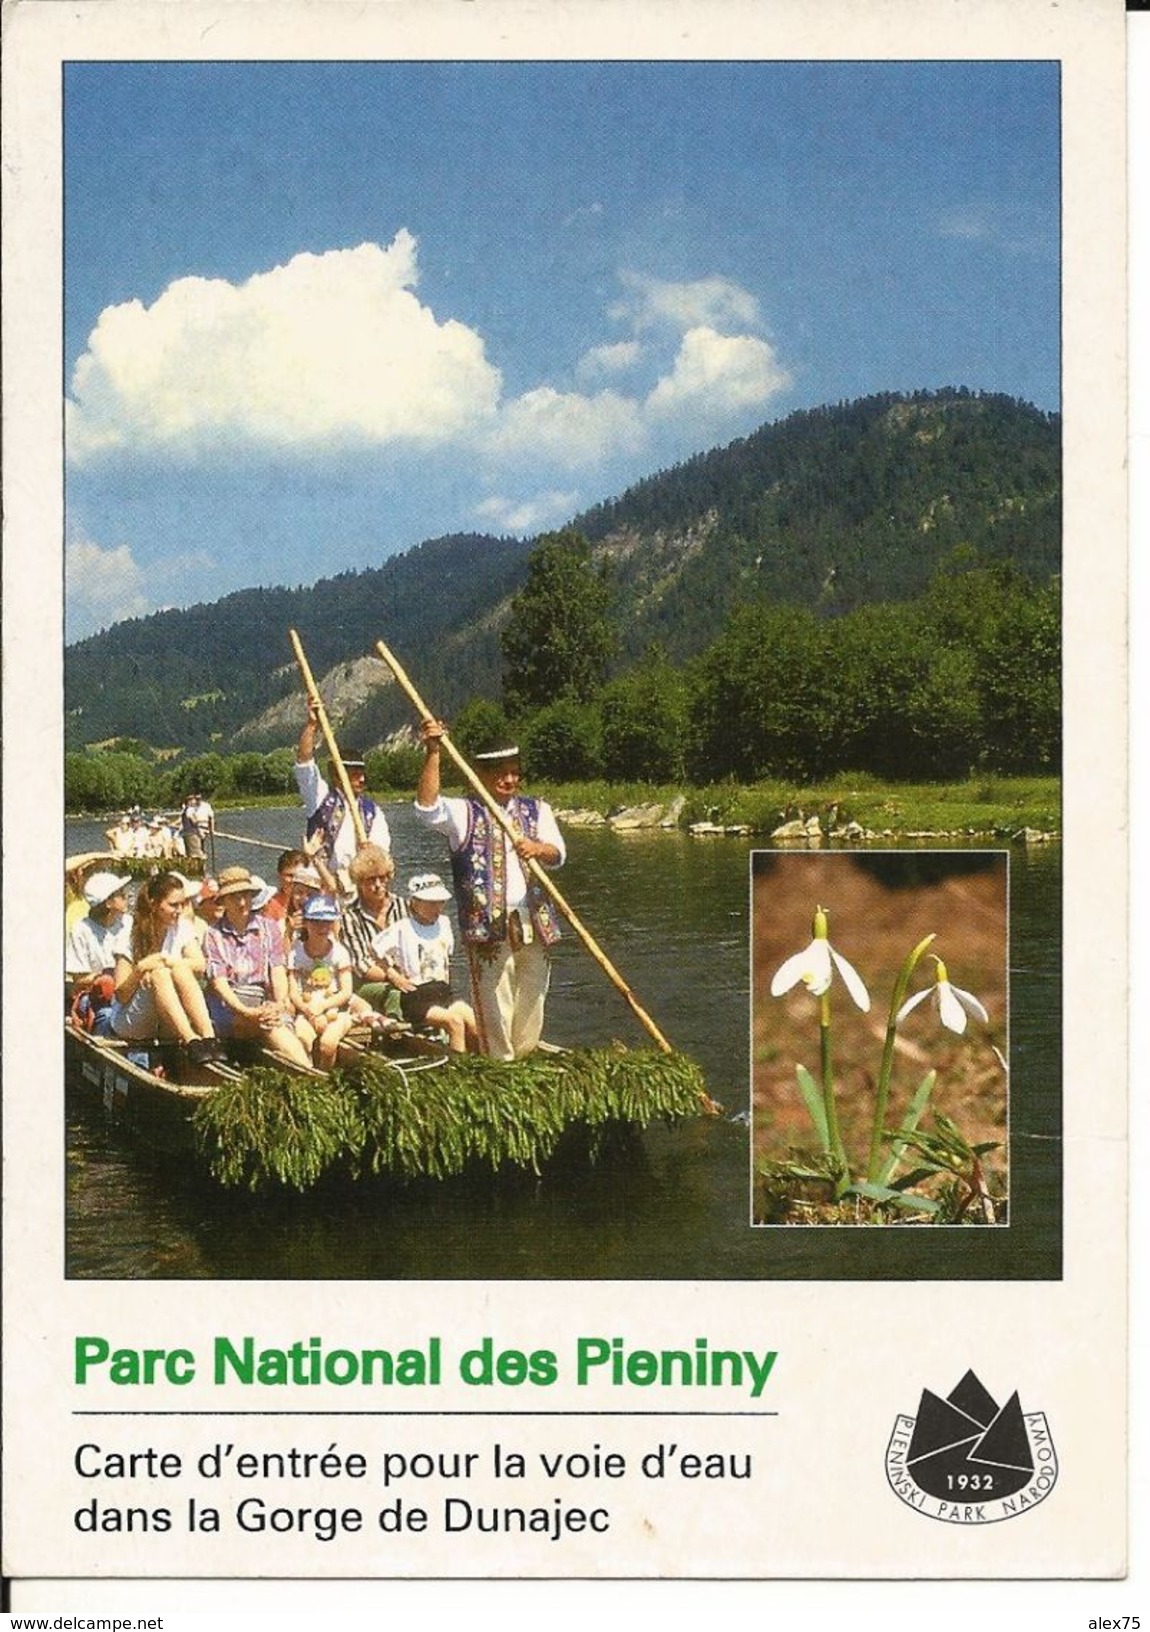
(511, 1415)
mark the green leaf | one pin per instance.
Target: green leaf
(882, 1192)
(918, 1175)
(813, 1100)
(908, 1124)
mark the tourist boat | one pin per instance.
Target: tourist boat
(155, 1086)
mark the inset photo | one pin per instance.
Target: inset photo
(880, 1058)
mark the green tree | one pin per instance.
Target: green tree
(477, 725)
(1021, 684)
(203, 773)
(645, 722)
(559, 640)
(91, 783)
(563, 741)
(395, 768)
(246, 773)
(759, 698)
(136, 778)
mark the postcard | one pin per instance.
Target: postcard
(565, 585)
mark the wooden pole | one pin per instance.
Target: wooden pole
(260, 844)
(537, 872)
(329, 738)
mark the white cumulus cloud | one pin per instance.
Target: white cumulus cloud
(526, 515)
(327, 350)
(102, 586)
(603, 362)
(714, 302)
(718, 374)
(568, 428)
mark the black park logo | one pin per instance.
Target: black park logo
(966, 1459)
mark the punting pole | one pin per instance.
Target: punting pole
(329, 738)
(537, 872)
(239, 838)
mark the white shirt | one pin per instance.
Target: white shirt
(313, 790)
(304, 967)
(422, 952)
(94, 947)
(179, 937)
(453, 815)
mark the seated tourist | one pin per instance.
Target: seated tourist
(157, 990)
(77, 871)
(417, 954)
(278, 904)
(374, 908)
(319, 983)
(94, 944)
(247, 977)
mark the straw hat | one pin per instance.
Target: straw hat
(238, 881)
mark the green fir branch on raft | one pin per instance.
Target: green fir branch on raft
(368, 1118)
(272, 1127)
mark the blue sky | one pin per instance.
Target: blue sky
(316, 313)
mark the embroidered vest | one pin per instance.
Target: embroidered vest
(328, 818)
(479, 867)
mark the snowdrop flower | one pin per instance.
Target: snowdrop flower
(952, 1002)
(815, 967)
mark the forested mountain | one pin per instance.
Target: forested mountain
(834, 508)
(192, 678)
(829, 510)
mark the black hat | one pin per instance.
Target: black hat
(492, 747)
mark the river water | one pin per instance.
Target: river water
(672, 913)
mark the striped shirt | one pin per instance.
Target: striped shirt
(358, 929)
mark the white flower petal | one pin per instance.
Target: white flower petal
(912, 1003)
(852, 980)
(789, 974)
(971, 1004)
(818, 971)
(812, 966)
(950, 1010)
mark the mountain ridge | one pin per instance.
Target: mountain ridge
(828, 509)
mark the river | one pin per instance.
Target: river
(672, 913)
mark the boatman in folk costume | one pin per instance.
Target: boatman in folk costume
(506, 920)
(327, 814)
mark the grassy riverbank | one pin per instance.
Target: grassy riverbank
(984, 805)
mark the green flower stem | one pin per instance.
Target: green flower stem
(834, 1138)
(874, 1163)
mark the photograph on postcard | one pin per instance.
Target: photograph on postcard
(705, 519)
(564, 589)
(880, 1126)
